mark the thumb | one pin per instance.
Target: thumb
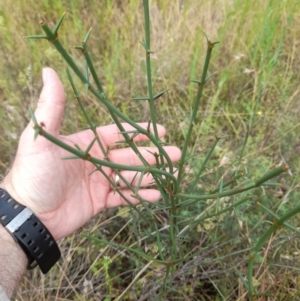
(50, 106)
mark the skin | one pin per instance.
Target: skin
(61, 192)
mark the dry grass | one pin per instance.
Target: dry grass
(251, 33)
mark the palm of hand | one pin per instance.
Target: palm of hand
(62, 193)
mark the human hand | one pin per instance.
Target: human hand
(62, 193)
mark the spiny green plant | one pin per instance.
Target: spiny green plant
(180, 193)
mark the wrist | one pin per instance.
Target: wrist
(13, 262)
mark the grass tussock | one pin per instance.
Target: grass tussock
(255, 94)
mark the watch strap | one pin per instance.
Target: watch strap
(31, 234)
(9, 208)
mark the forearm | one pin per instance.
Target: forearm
(13, 262)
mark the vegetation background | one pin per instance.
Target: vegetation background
(258, 66)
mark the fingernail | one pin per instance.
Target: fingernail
(44, 75)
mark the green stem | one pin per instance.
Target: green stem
(269, 175)
(91, 67)
(201, 84)
(148, 67)
(231, 181)
(146, 256)
(96, 161)
(287, 225)
(119, 191)
(151, 98)
(195, 182)
(89, 121)
(199, 219)
(100, 96)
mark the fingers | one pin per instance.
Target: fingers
(50, 107)
(115, 199)
(110, 134)
(127, 156)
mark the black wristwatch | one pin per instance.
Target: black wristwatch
(31, 234)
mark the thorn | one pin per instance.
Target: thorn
(209, 77)
(57, 26)
(36, 132)
(160, 94)
(87, 36)
(37, 37)
(134, 135)
(120, 141)
(70, 158)
(128, 132)
(97, 169)
(209, 43)
(196, 81)
(77, 146)
(150, 152)
(33, 116)
(141, 98)
(90, 146)
(143, 43)
(148, 126)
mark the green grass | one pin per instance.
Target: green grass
(254, 94)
